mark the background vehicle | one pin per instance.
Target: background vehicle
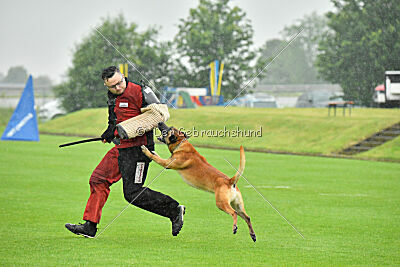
(318, 99)
(51, 110)
(256, 100)
(388, 94)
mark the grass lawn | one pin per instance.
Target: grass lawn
(5, 115)
(389, 150)
(347, 210)
(286, 130)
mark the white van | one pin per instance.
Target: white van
(51, 110)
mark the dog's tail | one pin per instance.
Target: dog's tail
(235, 178)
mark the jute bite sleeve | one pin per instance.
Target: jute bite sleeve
(148, 120)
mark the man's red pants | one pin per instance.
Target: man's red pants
(105, 174)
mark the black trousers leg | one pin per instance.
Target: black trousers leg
(133, 165)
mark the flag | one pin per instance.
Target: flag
(23, 123)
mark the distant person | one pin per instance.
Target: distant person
(125, 159)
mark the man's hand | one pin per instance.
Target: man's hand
(108, 134)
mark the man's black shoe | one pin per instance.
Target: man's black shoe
(88, 229)
(177, 222)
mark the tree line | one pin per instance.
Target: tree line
(352, 46)
(19, 74)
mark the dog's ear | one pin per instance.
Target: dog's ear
(185, 135)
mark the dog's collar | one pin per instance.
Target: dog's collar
(178, 145)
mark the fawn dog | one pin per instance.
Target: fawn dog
(197, 172)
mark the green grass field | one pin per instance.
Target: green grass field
(347, 210)
(389, 150)
(285, 130)
(5, 115)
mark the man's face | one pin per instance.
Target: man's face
(116, 84)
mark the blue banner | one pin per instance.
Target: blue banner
(23, 123)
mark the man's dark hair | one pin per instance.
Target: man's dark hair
(109, 72)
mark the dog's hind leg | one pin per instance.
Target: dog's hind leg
(228, 209)
(246, 218)
(222, 202)
(239, 207)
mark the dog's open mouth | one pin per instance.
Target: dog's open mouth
(169, 135)
(161, 139)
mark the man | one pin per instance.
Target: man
(125, 160)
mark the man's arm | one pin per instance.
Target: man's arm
(149, 97)
(108, 134)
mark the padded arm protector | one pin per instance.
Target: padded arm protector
(148, 120)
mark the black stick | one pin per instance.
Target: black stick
(81, 141)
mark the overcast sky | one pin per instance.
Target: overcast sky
(41, 34)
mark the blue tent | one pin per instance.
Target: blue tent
(23, 123)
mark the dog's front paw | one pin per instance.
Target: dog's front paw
(145, 150)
